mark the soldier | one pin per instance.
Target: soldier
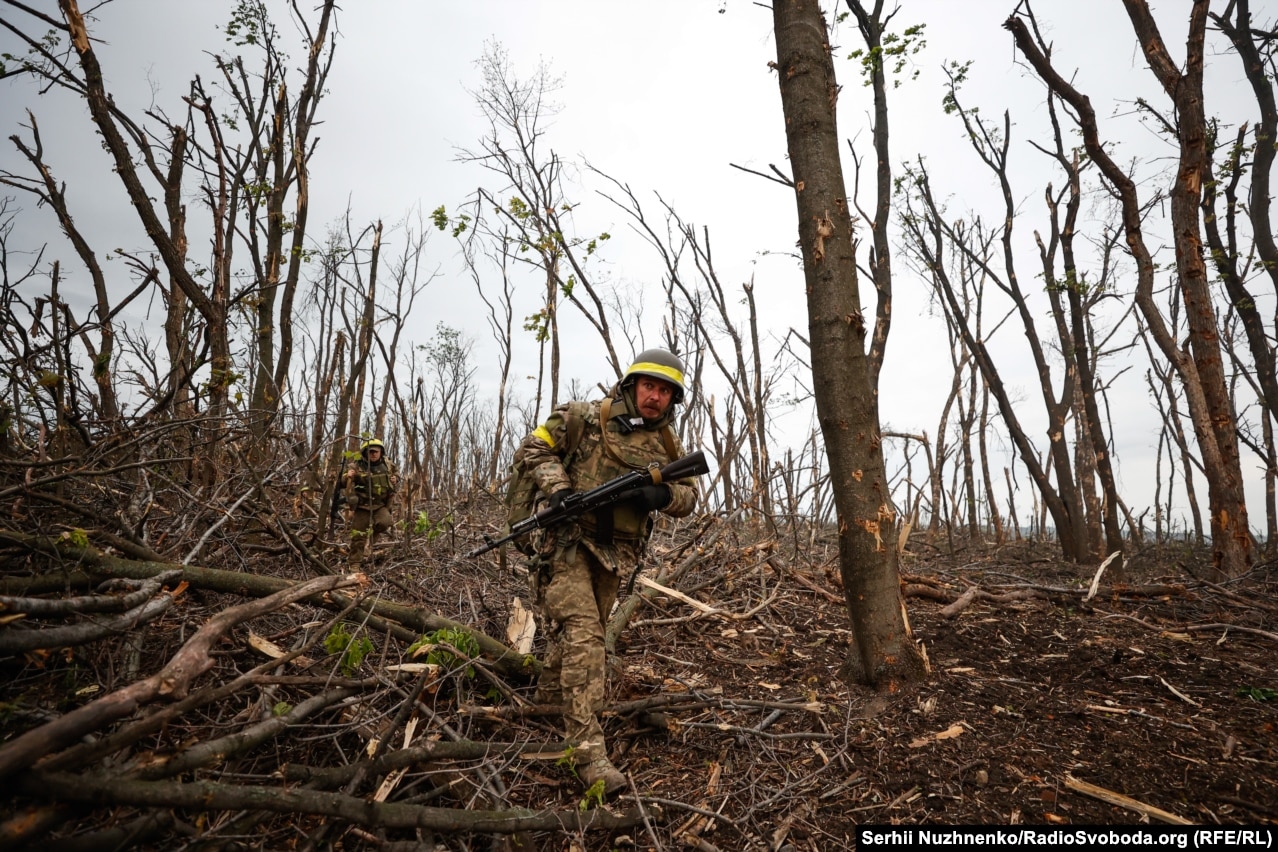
(578, 566)
(370, 483)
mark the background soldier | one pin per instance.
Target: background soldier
(578, 565)
(370, 483)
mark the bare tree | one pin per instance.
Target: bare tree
(930, 236)
(247, 163)
(1221, 225)
(1199, 365)
(49, 192)
(259, 173)
(1076, 339)
(992, 146)
(533, 203)
(879, 47)
(704, 302)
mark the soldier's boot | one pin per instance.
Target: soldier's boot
(601, 769)
(359, 548)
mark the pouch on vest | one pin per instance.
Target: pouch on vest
(359, 489)
(379, 485)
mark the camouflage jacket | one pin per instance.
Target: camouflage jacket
(372, 486)
(632, 443)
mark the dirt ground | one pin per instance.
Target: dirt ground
(1161, 693)
(1154, 701)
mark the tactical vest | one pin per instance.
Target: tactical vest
(608, 452)
(371, 485)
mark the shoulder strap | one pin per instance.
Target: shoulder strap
(574, 427)
(668, 438)
(605, 412)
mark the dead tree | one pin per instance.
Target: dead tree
(929, 237)
(1076, 339)
(872, 24)
(699, 296)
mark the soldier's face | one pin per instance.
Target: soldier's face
(374, 454)
(653, 397)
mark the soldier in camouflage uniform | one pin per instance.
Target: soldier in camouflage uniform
(578, 565)
(370, 483)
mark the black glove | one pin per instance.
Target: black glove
(554, 501)
(650, 498)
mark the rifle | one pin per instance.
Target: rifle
(612, 491)
(339, 500)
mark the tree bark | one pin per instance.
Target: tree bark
(847, 406)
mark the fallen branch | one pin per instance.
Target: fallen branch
(17, 641)
(977, 593)
(431, 752)
(697, 701)
(626, 609)
(1238, 599)
(218, 751)
(174, 680)
(1131, 711)
(1214, 626)
(94, 561)
(1192, 628)
(208, 795)
(923, 590)
(53, 607)
(1112, 798)
(677, 595)
(84, 753)
(961, 603)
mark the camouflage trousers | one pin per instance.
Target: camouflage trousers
(367, 522)
(578, 597)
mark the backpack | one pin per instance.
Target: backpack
(521, 493)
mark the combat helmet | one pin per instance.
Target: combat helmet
(659, 364)
(370, 444)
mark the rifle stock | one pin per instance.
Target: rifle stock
(693, 464)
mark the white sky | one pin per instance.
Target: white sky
(662, 95)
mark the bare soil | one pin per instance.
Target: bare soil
(1163, 690)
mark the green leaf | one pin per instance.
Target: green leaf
(440, 217)
(1257, 693)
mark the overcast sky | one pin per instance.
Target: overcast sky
(662, 95)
